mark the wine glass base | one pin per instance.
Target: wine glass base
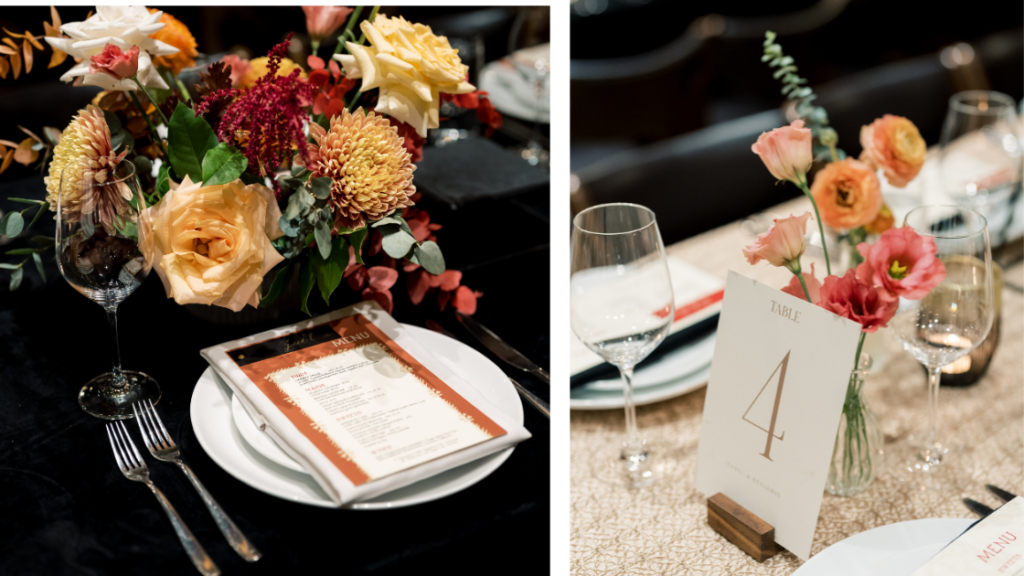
(101, 399)
(614, 464)
(946, 468)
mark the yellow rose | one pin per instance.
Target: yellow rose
(410, 65)
(211, 244)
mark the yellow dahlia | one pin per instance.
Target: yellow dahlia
(371, 169)
(178, 35)
(258, 69)
(85, 143)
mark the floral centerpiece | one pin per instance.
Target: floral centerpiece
(263, 164)
(845, 194)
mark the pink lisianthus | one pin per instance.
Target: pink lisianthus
(794, 288)
(855, 299)
(786, 151)
(782, 244)
(115, 62)
(903, 263)
(322, 21)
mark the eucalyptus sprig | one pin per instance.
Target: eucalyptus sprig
(794, 87)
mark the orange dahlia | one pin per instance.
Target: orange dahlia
(371, 169)
(176, 34)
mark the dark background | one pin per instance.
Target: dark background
(667, 97)
(64, 506)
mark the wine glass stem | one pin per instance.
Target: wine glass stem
(633, 442)
(115, 351)
(934, 372)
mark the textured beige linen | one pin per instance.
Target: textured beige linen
(663, 529)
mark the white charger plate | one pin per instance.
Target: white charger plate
(502, 82)
(678, 372)
(218, 434)
(894, 550)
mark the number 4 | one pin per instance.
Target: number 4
(781, 368)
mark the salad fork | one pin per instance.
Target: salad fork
(131, 464)
(163, 448)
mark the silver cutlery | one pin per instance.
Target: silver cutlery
(978, 508)
(163, 448)
(134, 468)
(531, 398)
(510, 355)
(1000, 493)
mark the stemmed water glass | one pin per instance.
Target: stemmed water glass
(944, 326)
(621, 307)
(980, 153)
(100, 242)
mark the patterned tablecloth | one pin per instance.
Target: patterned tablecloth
(663, 529)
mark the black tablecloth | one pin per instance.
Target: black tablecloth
(66, 509)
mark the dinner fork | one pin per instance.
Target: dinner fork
(163, 448)
(131, 464)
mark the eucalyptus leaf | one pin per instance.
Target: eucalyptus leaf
(121, 139)
(143, 165)
(113, 122)
(189, 138)
(15, 224)
(47, 241)
(322, 233)
(429, 256)
(356, 239)
(287, 227)
(39, 214)
(3, 223)
(39, 265)
(321, 187)
(24, 251)
(7, 266)
(223, 164)
(396, 242)
(306, 281)
(385, 221)
(16, 279)
(329, 271)
(278, 286)
(28, 201)
(290, 183)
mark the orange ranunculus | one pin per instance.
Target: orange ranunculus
(782, 244)
(786, 151)
(178, 35)
(847, 193)
(893, 144)
(884, 221)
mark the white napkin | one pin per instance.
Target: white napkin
(338, 487)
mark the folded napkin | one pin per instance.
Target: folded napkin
(698, 301)
(360, 403)
(992, 546)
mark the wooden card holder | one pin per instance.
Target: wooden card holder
(741, 527)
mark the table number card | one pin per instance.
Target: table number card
(774, 399)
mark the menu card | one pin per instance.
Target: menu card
(774, 399)
(994, 546)
(359, 403)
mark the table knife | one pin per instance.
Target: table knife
(978, 508)
(531, 398)
(1000, 493)
(510, 355)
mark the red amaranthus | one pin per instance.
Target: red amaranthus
(266, 121)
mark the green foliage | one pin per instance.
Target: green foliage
(794, 87)
(223, 164)
(398, 242)
(39, 265)
(356, 239)
(329, 271)
(12, 224)
(306, 281)
(278, 286)
(429, 256)
(163, 181)
(189, 138)
(16, 279)
(119, 137)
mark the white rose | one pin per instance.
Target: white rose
(124, 27)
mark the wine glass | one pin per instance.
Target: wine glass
(980, 153)
(100, 242)
(621, 306)
(944, 326)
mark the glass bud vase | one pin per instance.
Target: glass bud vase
(857, 456)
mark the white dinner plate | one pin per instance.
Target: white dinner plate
(894, 550)
(506, 89)
(582, 399)
(215, 428)
(255, 437)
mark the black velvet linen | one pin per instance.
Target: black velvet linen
(66, 509)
